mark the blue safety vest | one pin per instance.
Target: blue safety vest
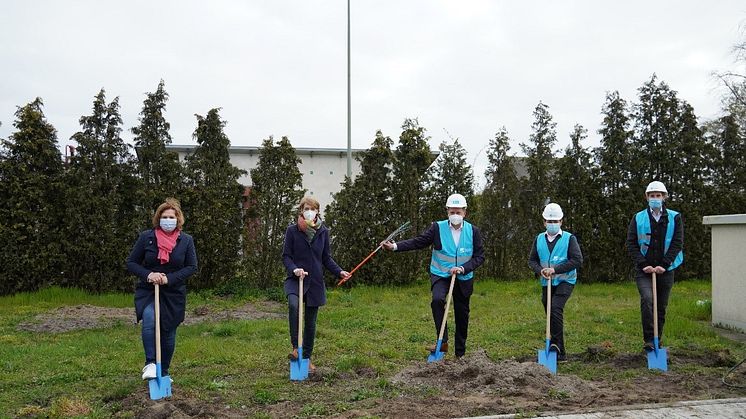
(452, 254)
(558, 256)
(643, 234)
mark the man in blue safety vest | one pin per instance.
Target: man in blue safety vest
(655, 239)
(456, 248)
(556, 256)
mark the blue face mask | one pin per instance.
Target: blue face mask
(655, 203)
(168, 224)
(553, 228)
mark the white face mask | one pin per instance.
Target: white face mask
(168, 224)
(309, 215)
(455, 219)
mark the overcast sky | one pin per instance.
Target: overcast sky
(463, 68)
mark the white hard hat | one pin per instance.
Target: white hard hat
(656, 186)
(552, 212)
(456, 201)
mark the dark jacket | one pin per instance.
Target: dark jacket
(312, 257)
(656, 255)
(181, 265)
(574, 256)
(431, 237)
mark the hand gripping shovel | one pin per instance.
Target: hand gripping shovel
(160, 387)
(658, 357)
(299, 367)
(548, 358)
(437, 355)
(402, 228)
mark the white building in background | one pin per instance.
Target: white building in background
(323, 169)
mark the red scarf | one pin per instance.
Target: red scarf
(166, 243)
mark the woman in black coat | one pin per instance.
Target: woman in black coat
(306, 251)
(163, 255)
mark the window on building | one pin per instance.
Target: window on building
(331, 172)
(311, 172)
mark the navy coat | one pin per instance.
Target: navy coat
(431, 237)
(312, 257)
(181, 265)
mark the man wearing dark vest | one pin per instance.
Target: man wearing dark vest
(556, 256)
(655, 239)
(456, 248)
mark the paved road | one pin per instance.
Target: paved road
(723, 408)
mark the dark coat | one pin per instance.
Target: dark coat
(656, 255)
(181, 265)
(431, 237)
(312, 257)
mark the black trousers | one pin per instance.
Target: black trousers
(309, 324)
(560, 294)
(461, 295)
(664, 283)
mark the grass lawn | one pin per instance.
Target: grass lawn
(242, 366)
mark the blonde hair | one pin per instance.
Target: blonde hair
(170, 204)
(310, 201)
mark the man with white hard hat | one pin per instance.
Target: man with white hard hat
(655, 239)
(556, 256)
(456, 248)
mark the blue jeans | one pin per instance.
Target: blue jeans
(168, 340)
(309, 328)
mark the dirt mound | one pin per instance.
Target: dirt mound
(476, 373)
(177, 407)
(69, 318)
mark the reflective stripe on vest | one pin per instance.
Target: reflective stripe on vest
(557, 257)
(451, 255)
(642, 219)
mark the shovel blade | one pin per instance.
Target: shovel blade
(160, 387)
(436, 355)
(548, 359)
(658, 359)
(299, 369)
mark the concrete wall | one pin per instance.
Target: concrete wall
(728, 273)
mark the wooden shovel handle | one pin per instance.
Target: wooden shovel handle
(448, 305)
(300, 309)
(157, 324)
(655, 307)
(549, 307)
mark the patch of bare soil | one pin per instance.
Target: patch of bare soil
(475, 385)
(69, 318)
(177, 407)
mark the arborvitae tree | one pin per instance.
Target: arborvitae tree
(276, 190)
(30, 202)
(504, 229)
(449, 174)
(360, 217)
(412, 157)
(539, 160)
(212, 203)
(578, 194)
(619, 199)
(158, 168)
(670, 147)
(730, 165)
(100, 205)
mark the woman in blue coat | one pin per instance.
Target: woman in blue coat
(306, 251)
(163, 255)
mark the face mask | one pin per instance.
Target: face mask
(553, 228)
(455, 219)
(655, 203)
(309, 215)
(168, 224)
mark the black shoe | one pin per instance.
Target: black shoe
(561, 357)
(554, 348)
(648, 347)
